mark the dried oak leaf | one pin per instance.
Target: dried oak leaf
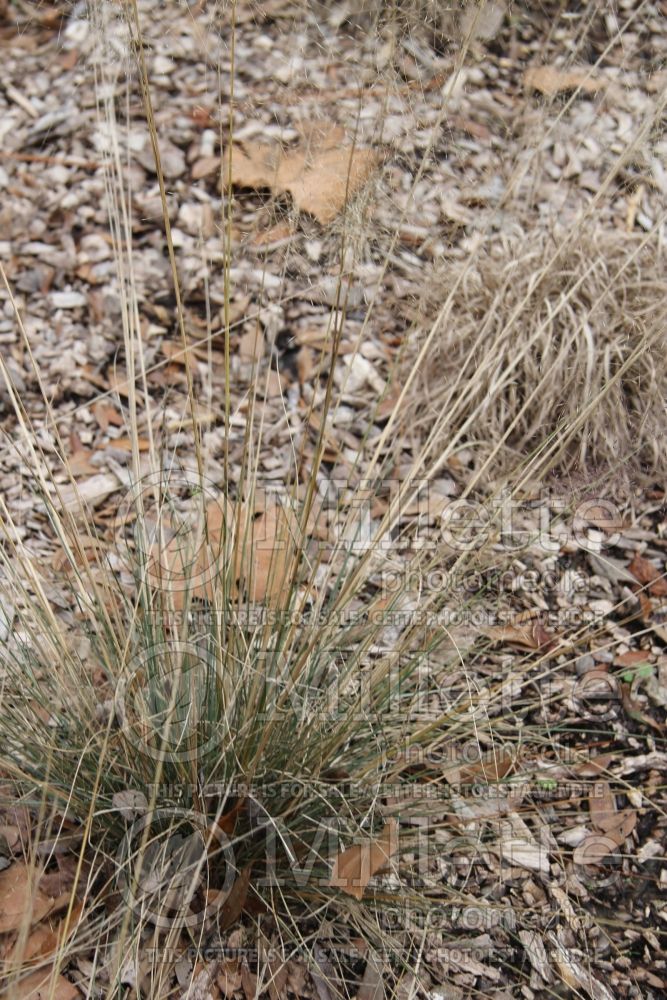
(594, 766)
(249, 983)
(277, 979)
(372, 984)
(354, 867)
(206, 166)
(266, 557)
(320, 176)
(597, 846)
(252, 165)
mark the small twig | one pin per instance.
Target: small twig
(64, 161)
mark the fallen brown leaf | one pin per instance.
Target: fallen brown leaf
(616, 826)
(594, 766)
(40, 986)
(372, 985)
(324, 187)
(205, 167)
(229, 976)
(106, 414)
(320, 176)
(648, 575)
(174, 350)
(21, 901)
(274, 234)
(635, 711)
(263, 551)
(277, 984)
(593, 849)
(297, 977)
(251, 345)
(227, 822)
(249, 983)
(632, 658)
(492, 767)
(528, 635)
(12, 837)
(354, 867)
(549, 80)
(127, 444)
(602, 806)
(626, 821)
(233, 905)
(265, 557)
(654, 618)
(47, 937)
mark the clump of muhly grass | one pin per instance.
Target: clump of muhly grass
(551, 338)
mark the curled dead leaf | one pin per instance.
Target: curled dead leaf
(615, 825)
(594, 766)
(492, 767)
